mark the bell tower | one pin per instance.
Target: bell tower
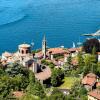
(44, 47)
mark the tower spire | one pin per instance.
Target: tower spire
(44, 38)
(44, 47)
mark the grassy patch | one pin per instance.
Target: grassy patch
(68, 82)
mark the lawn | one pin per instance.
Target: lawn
(68, 82)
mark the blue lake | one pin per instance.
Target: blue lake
(63, 21)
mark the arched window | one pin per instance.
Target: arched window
(22, 51)
(26, 51)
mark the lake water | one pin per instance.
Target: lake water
(63, 21)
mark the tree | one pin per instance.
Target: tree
(31, 77)
(94, 51)
(15, 69)
(14, 77)
(98, 69)
(39, 90)
(69, 60)
(90, 64)
(30, 87)
(54, 80)
(88, 45)
(28, 96)
(56, 77)
(56, 95)
(2, 73)
(78, 91)
(80, 59)
(5, 86)
(35, 88)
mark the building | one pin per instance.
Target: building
(18, 94)
(26, 58)
(98, 84)
(89, 81)
(22, 56)
(94, 95)
(6, 57)
(52, 53)
(44, 47)
(98, 56)
(44, 75)
(74, 51)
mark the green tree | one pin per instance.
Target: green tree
(56, 77)
(98, 69)
(35, 88)
(78, 91)
(56, 95)
(90, 64)
(94, 51)
(88, 45)
(69, 60)
(80, 59)
(30, 88)
(14, 77)
(15, 69)
(5, 86)
(31, 77)
(39, 90)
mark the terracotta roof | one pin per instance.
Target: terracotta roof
(74, 49)
(98, 53)
(39, 54)
(98, 84)
(57, 51)
(95, 94)
(89, 79)
(66, 55)
(44, 75)
(18, 94)
(55, 62)
(7, 54)
(92, 75)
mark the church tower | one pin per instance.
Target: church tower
(44, 47)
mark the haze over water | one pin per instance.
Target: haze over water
(61, 20)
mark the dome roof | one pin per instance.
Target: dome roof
(24, 46)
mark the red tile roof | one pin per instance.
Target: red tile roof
(98, 53)
(92, 75)
(39, 54)
(95, 94)
(57, 51)
(74, 49)
(89, 79)
(44, 75)
(18, 94)
(7, 54)
(98, 84)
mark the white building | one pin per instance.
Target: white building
(99, 56)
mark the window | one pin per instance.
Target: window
(26, 51)
(22, 51)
